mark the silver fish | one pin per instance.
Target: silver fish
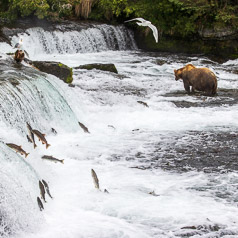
(95, 179)
(29, 139)
(41, 137)
(40, 204)
(85, 129)
(51, 158)
(47, 188)
(18, 149)
(30, 134)
(42, 190)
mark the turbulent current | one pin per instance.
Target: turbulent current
(170, 167)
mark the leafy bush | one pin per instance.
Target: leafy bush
(180, 18)
(25, 8)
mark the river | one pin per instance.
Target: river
(170, 168)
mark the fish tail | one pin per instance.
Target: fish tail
(26, 154)
(62, 161)
(35, 146)
(47, 145)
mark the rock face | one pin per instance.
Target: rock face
(221, 44)
(61, 71)
(219, 34)
(103, 67)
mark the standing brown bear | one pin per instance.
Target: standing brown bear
(201, 79)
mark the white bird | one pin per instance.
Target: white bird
(143, 22)
(19, 44)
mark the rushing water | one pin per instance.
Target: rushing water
(170, 168)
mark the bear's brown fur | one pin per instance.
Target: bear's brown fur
(201, 79)
(19, 56)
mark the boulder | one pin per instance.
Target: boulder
(60, 70)
(225, 33)
(104, 67)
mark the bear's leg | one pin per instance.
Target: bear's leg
(186, 86)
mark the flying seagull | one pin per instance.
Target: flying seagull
(143, 22)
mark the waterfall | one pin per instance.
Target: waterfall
(19, 189)
(93, 39)
(26, 95)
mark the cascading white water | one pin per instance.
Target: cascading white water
(19, 189)
(27, 96)
(94, 39)
(127, 146)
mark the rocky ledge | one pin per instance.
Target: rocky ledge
(60, 70)
(104, 67)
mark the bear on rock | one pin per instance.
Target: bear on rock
(201, 79)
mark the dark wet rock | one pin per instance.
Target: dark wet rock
(220, 33)
(139, 167)
(60, 70)
(189, 227)
(161, 62)
(206, 230)
(225, 96)
(223, 48)
(207, 151)
(214, 227)
(3, 38)
(214, 151)
(71, 85)
(103, 67)
(9, 29)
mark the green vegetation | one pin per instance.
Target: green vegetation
(13, 9)
(70, 77)
(177, 18)
(173, 17)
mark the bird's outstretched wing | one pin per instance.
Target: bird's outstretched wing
(155, 32)
(136, 19)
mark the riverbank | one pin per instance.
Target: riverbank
(220, 47)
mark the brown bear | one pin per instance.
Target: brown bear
(201, 79)
(19, 56)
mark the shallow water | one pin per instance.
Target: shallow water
(170, 168)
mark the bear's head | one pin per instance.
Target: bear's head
(178, 73)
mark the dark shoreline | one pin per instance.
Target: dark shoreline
(219, 50)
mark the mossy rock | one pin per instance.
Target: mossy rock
(60, 70)
(104, 67)
(222, 49)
